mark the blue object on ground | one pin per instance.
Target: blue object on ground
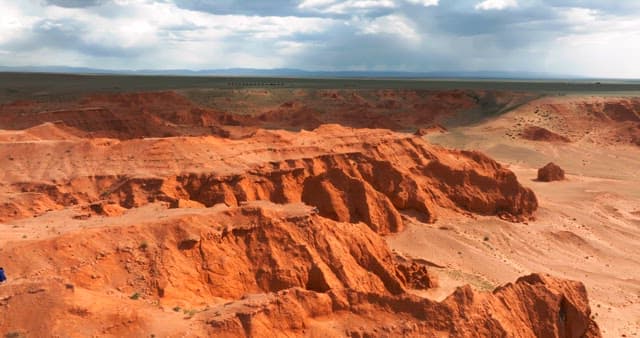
(3, 277)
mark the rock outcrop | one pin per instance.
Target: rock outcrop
(168, 113)
(431, 129)
(550, 172)
(535, 133)
(558, 306)
(346, 198)
(123, 116)
(262, 269)
(600, 120)
(349, 174)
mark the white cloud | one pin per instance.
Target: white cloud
(598, 43)
(314, 4)
(496, 5)
(579, 16)
(13, 21)
(152, 34)
(354, 6)
(396, 25)
(346, 6)
(425, 3)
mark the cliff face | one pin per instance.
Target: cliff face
(350, 175)
(265, 270)
(162, 114)
(535, 306)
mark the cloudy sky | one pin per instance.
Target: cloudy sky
(582, 37)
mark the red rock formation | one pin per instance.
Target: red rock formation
(558, 309)
(348, 199)
(162, 114)
(124, 116)
(550, 172)
(364, 175)
(264, 270)
(256, 248)
(633, 132)
(216, 239)
(535, 133)
(417, 276)
(431, 129)
(601, 120)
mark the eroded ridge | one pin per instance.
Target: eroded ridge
(349, 174)
(261, 269)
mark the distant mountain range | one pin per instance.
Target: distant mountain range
(297, 73)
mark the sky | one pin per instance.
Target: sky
(596, 38)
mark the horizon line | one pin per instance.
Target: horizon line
(303, 73)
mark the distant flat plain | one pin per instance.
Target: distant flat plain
(16, 86)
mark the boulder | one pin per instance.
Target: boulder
(550, 172)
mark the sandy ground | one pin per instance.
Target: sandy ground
(587, 227)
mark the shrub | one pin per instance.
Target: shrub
(13, 334)
(144, 245)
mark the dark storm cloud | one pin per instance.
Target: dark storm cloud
(278, 8)
(510, 28)
(467, 21)
(352, 50)
(455, 35)
(242, 7)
